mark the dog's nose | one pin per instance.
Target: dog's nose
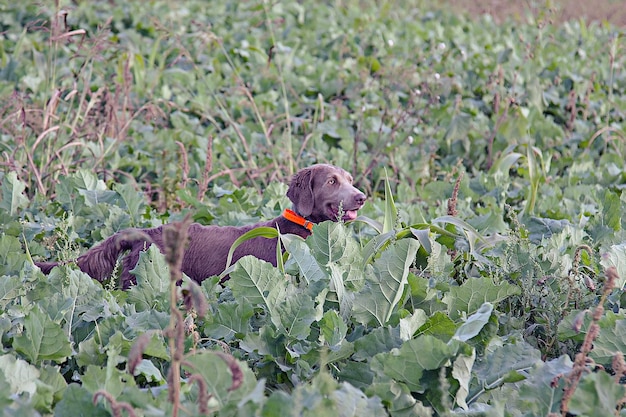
(360, 198)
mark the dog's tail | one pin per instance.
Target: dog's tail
(100, 261)
(46, 267)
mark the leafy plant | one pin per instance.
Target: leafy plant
(486, 261)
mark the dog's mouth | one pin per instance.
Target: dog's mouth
(346, 215)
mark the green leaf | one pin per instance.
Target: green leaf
(77, 401)
(42, 338)
(301, 254)
(386, 283)
(408, 363)
(153, 281)
(611, 210)
(294, 315)
(266, 232)
(410, 324)
(21, 376)
(493, 369)
(439, 325)
(150, 372)
(500, 169)
(391, 213)
(457, 128)
(13, 198)
(9, 288)
(399, 399)
(133, 199)
(332, 329)
(376, 244)
(257, 283)
(107, 378)
(11, 257)
(474, 323)
(218, 375)
(462, 372)
(331, 243)
(612, 339)
(230, 320)
(474, 292)
(379, 340)
(616, 256)
(423, 236)
(597, 394)
(539, 394)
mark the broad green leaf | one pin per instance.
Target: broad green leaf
(379, 340)
(5, 389)
(386, 283)
(462, 372)
(408, 363)
(356, 373)
(107, 378)
(457, 128)
(11, 257)
(493, 369)
(9, 289)
(376, 244)
(257, 282)
(229, 321)
(153, 281)
(150, 372)
(539, 394)
(350, 402)
(597, 394)
(472, 234)
(611, 210)
(294, 316)
(337, 288)
(474, 323)
(78, 401)
(502, 166)
(610, 341)
(218, 375)
(21, 376)
(468, 298)
(324, 397)
(332, 329)
(410, 324)
(133, 199)
(616, 256)
(331, 243)
(400, 400)
(439, 325)
(301, 254)
(42, 338)
(423, 236)
(13, 198)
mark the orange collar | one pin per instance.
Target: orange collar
(294, 217)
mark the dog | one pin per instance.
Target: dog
(318, 193)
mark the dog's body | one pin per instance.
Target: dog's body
(318, 193)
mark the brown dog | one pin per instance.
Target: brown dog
(318, 193)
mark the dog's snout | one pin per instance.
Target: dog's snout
(359, 198)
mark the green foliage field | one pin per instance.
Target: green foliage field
(484, 277)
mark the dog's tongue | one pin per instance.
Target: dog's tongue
(349, 215)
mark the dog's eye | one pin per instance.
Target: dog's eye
(332, 181)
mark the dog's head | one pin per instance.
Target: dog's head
(325, 192)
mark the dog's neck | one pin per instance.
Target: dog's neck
(294, 217)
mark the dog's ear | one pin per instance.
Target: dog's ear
(300, 192)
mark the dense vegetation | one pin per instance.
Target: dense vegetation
(484, 278)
